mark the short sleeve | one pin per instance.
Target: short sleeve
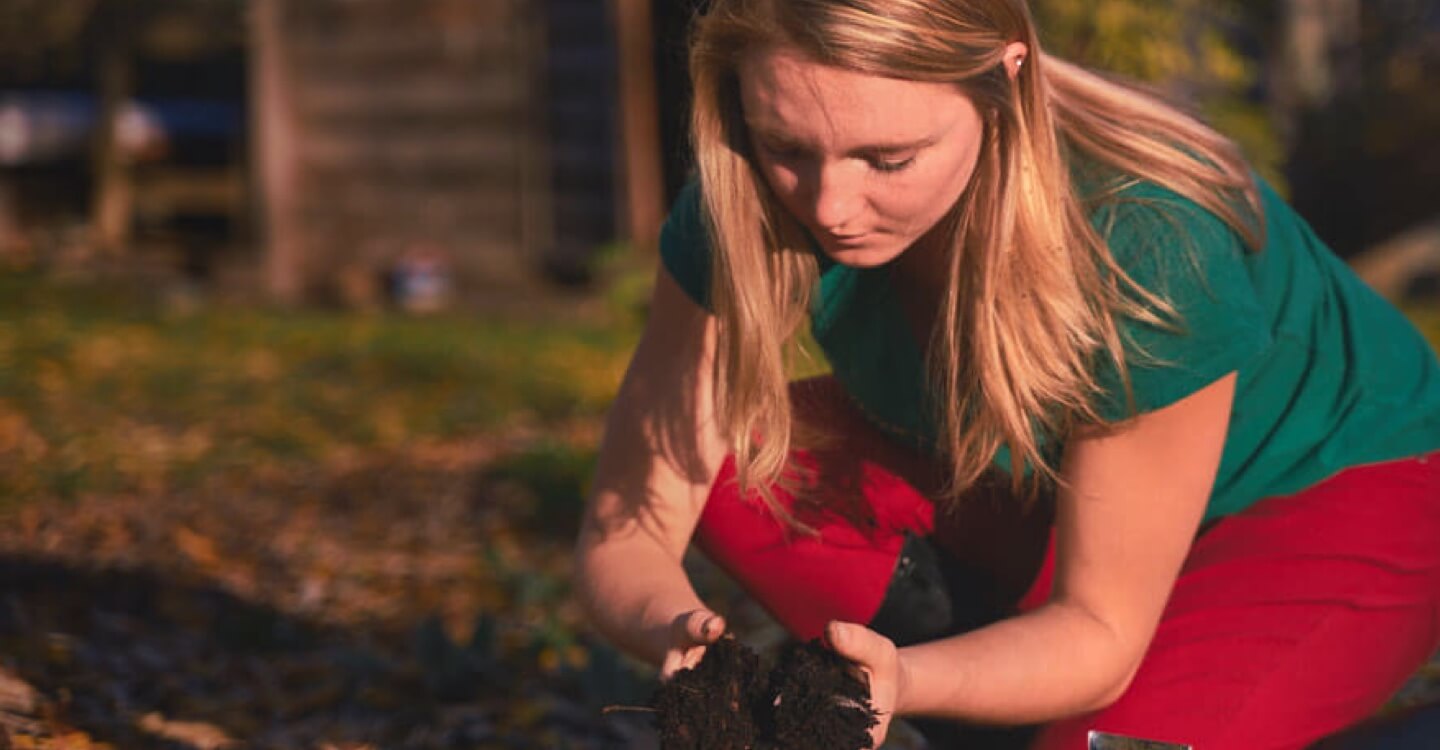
(685, 245)
(1189, 257)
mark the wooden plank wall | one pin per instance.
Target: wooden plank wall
(417, 123)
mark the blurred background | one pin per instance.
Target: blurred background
(310, 311)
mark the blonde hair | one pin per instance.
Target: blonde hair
(1031, 300)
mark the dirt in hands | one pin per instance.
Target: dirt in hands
(809, 700)
(816, 702)
(716, 705)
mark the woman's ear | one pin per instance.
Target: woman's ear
(1015, 56)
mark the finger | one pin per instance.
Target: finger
(670, 665)
(677, 659)
(681, 627)
(712, 628)
(866, 650)
(693, 656)
(848, 640)
(879, 733)
(702, 626)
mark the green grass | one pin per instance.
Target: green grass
(102, 390)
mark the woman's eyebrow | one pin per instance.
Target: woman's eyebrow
(770, 134)
(884, 147)
(894, 147)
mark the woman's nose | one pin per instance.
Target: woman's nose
(837, 198)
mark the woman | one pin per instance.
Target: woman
(1221, 445)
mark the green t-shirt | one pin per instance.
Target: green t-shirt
(1330, 374)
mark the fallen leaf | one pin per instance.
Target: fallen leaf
(196, 546)
(196, 734)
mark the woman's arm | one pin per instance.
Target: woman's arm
(660, 451)
(1124, 524)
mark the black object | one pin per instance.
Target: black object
(1414, 728)
(932, 595)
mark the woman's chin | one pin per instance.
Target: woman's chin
(867, 255)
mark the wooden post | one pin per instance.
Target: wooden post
(640, 123)
(113, 190)
(274, 153)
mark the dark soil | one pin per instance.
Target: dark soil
(715, 706)
(815, 701)
(809, 700)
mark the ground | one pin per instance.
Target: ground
(248, 528)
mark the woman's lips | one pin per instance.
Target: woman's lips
(848, 240)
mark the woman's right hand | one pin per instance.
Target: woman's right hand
(689, 634)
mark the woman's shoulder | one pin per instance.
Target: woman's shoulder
(1128, 209)
(1165, 239)
(686, 215)
(685, 244)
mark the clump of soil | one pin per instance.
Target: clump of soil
(815, 701)
(808, 700)
(716, 705)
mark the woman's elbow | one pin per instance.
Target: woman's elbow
(1117, 689)
(582, 570)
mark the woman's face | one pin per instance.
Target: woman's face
(867, 164)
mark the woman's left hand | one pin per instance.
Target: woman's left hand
(879, 661)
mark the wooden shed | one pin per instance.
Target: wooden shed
(482, 133)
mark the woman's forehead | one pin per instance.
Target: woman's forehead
(787, 95)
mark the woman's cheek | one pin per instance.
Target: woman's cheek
(782, 179)
(785, 183)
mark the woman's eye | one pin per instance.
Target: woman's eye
(891, 165)
(781, 153)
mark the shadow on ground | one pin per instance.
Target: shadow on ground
(394, 603)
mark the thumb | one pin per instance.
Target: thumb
(703, 626)
(854, 642)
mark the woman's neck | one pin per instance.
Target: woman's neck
(919, 278)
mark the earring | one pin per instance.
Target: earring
(1018, 62)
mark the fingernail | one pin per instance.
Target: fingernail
(833, 635)
(708, 627)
